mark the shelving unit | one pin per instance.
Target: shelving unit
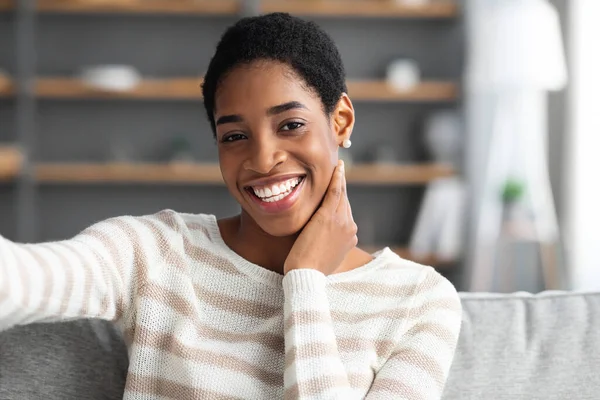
(47, 174)
(377, 175)
(189, 89)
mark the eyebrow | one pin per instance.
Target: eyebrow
(227, 119)
(292, 105)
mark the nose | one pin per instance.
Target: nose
(265, 155)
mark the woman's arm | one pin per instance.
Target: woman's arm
(417, 369)
(419, 366)
(93, 275)
(313, 368)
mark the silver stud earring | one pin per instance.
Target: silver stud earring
(346, 143)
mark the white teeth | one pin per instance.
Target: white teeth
(276, 191)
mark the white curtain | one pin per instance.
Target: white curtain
(582, 159)
(515, 55)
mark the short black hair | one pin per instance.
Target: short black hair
(302, 45)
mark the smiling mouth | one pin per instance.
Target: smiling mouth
(277, 191)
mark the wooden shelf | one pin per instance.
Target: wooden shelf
(6, 5)
(361, 8)
(322, 8)
(189, 89)
(6, 87)
(408, 174)
(430, 91)
(11, 160)
(181, 7)
(405, 253)
(211, 174)
(127, 173)
(149, 89)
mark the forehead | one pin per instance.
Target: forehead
(261, 85)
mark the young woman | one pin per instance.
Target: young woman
(277, 302)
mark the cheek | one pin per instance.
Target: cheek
(325, 147)
(228, 170)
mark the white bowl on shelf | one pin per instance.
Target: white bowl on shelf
(116, 78)
(403, 74)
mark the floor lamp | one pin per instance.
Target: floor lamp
(520, 58)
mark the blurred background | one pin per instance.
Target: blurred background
(473, 152)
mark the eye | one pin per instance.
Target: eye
(291, 126)
(234, 137)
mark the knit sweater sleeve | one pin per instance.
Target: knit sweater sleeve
(93, 275)
(417, 368)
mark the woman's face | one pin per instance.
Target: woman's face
(277, 148)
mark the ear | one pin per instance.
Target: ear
(343, 119)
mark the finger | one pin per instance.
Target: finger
(334, 191)
(343, 202)
(349, 211)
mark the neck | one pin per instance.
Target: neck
(243, 235)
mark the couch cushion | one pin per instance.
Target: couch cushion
(523, 346)
(72, 360)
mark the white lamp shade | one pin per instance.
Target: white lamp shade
(523, 47)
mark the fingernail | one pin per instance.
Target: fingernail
(341, 165)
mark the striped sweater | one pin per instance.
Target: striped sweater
(201, 322)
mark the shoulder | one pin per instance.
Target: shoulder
(435, 305)
(420, 284)
(425, 283)
(390, 268)
(392, 277)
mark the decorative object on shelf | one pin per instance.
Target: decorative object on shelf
(181, 151)
(403, 74)
(516, 242)
(112, 78)
(443, 136)
(439, 226)
(516, 55)
(438, 230)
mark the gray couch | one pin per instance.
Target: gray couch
(518, 346)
